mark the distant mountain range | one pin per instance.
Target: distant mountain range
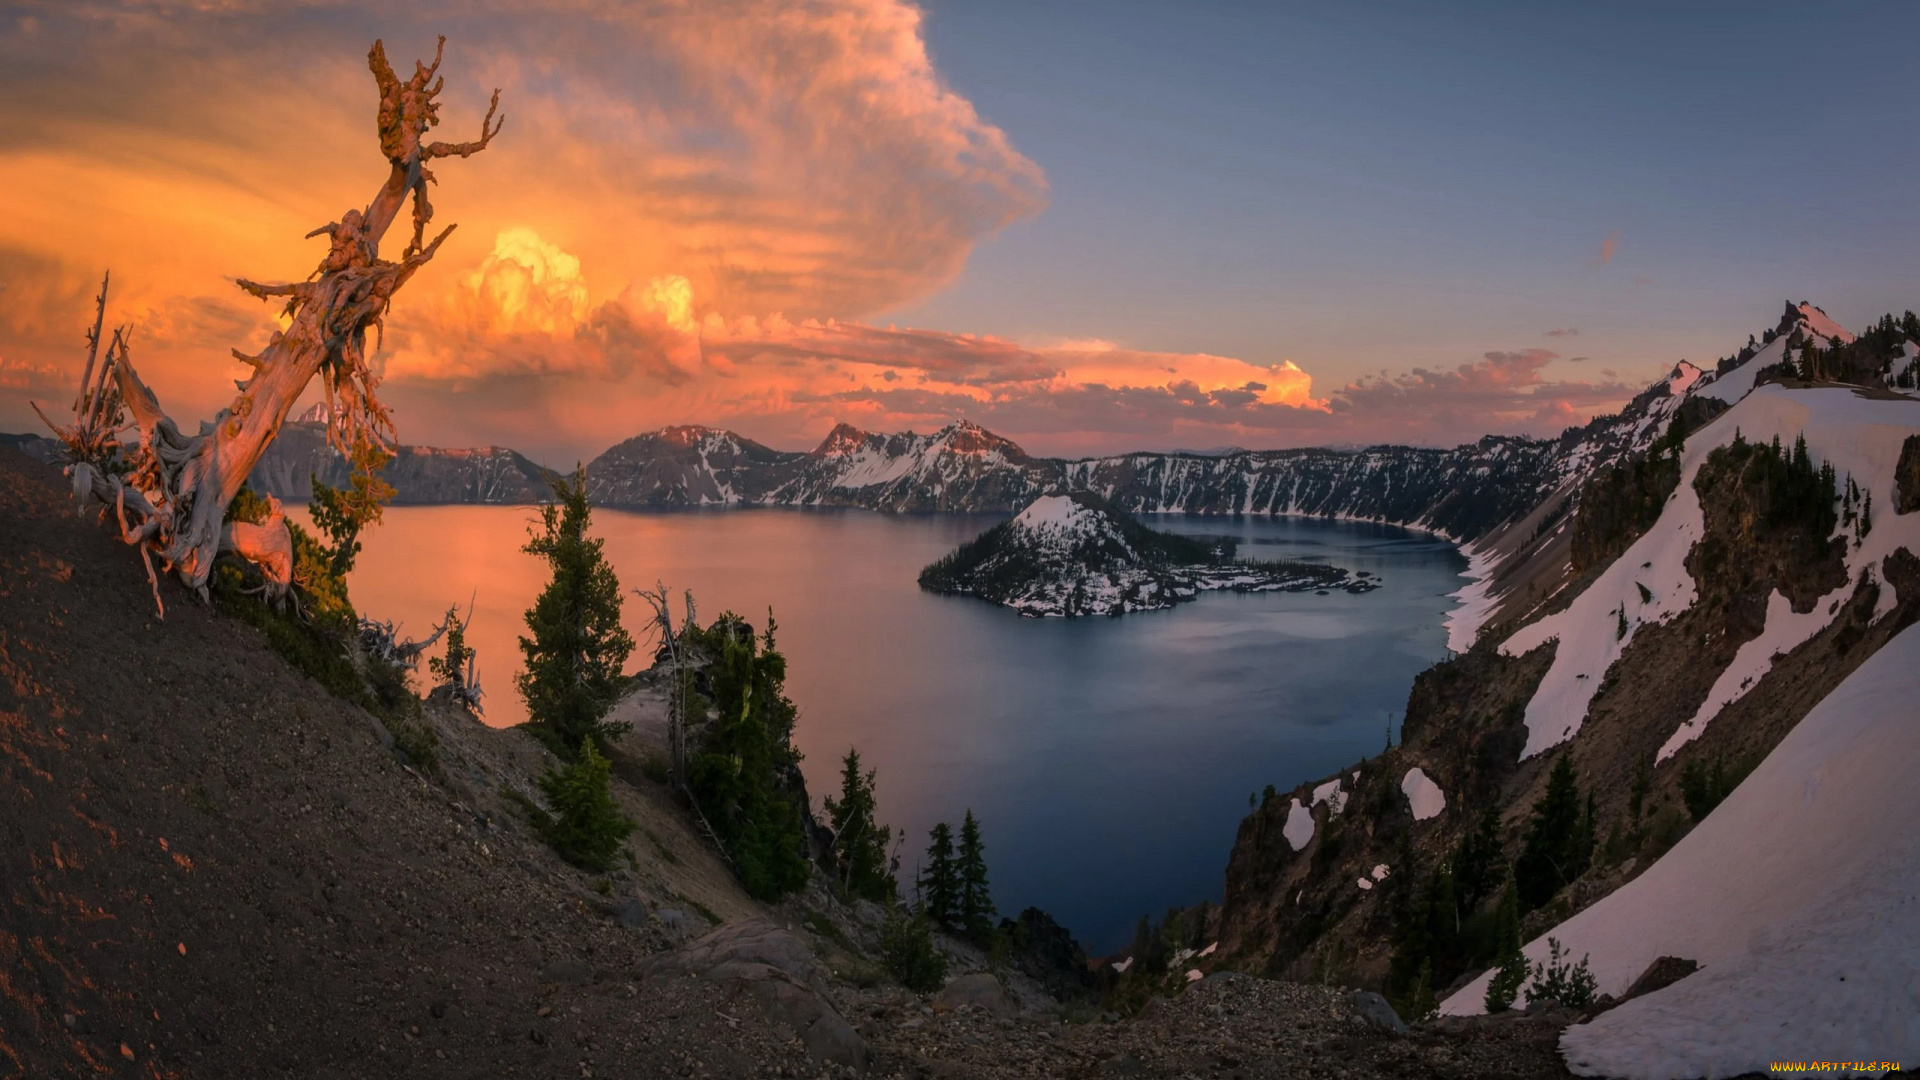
(1463, 493)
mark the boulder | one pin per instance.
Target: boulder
(630, 913)
(982, 991)
(786, 979)
(1659, 975)
(1373, 1009)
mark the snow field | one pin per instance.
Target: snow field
(1799, 896)
(1860, 436)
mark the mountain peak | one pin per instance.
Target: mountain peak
(843, 439)
(966, 437)
(1810, 319)
(687, 434)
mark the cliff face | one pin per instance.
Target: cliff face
(1765, 579)
(1461, 492)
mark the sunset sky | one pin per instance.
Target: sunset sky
(1090, 226)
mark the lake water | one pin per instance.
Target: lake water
(1109, 760)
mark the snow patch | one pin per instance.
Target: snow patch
(1330, 794)
(1299, 827)
(1380, 872)
(1423, 794)
(1785, 631)
(1799, 896)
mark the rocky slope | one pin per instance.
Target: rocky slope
(1686, 644)
(1068, 555)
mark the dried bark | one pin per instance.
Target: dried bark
(170, 491)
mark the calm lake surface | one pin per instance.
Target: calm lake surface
(1109, 760)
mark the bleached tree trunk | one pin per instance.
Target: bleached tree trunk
(171, 492)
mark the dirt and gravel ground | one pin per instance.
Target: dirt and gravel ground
(211, 868)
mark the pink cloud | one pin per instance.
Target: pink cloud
(1608, 246)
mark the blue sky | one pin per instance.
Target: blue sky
(1360, 186)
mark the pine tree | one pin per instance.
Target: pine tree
(976, 905)
(1580, 853)
(939, 882)
(578, 646)
(586, 827)
(744, 771)
(1511, 964)
(1637, 798)
(860, 845)
(1480, 862)
(1547, 856)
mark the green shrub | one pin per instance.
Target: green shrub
(1664, 829)
(906, 944)
(1557, 982)
(585, 826)
(1704, 787)
(1512, 971)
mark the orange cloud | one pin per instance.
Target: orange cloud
(1608, 246)
(520, 345)
(760, 155)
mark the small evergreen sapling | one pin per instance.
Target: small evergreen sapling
(1512, 963)
(585, 826)
(906, 945)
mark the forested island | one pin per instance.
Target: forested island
(1067, 555)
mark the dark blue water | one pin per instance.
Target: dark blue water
(1109, 760)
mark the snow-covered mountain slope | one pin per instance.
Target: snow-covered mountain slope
(1859, 435)
(1067, 555)
(683, 466)
(1724, 589)
(1799, 896)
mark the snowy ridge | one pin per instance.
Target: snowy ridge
(1859, 435)
(1799, 896)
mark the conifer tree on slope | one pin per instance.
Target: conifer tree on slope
(976, 904)
(1558, 845)
(860, 844)
(940, 882)
(744, 771)
(578, 646)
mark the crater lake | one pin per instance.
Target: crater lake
(1109, 760)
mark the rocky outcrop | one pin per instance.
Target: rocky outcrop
(758, 957)
(980, 990)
